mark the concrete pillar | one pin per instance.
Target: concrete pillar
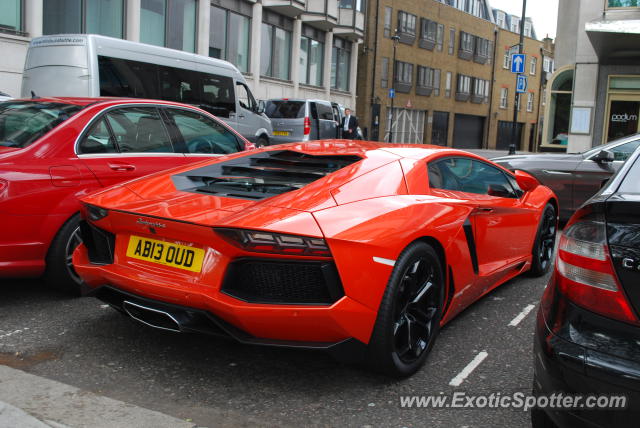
(353, 71)
(204, 18)
(326, 73)
(133, 20)
(33, 18)
(256, 38)
(295, 55)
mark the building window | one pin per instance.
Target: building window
(466, 42)
(384, 79)
(403, 76)
(229, 37)
(170, 23)
(11, 15)
(504, 97)
(501, 19)
(530, 97)
(425, 77)
(447, 85)
(527, 28)
(340, 63)
(440, 37)
(544, 97)
(480, 91)
(428, 29)
(515, 24)
(436, 82)
(81, 16)
(452, 40)
(388, 12)
(311, 56)
(349, 4)
(482, 48)
(547, 64)
(506, 62)
(533, 65)
(464, 85)
(518, 102)
(275, 46)
(406, 23)
(622, 3)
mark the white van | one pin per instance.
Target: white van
(88, 65)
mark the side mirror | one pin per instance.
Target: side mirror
(527, 182)
(604, 156)
(261, 107)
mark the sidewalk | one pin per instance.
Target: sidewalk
(28, 401)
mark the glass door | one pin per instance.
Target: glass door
(623, 118)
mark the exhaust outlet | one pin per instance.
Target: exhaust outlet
(151, 317)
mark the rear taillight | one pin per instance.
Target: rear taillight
(307, 126)
(275, 243)
(585, 272)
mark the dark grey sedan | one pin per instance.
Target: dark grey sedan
(574, 177)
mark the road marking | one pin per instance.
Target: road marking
(384, 261)
(514, 322)
(13, 333)
(460, 377)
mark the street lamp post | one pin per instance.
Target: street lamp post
(395, 39)
(512, 146)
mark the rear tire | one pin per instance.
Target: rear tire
(544, 245)
(59, 273)
(409, 316)
(262, 142)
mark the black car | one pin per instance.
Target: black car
(587, 337)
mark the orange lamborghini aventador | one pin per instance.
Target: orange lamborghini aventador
(361, 249)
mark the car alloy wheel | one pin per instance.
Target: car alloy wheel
(72, 243)
(544, 245)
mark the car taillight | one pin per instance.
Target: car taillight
(585, 272)
(307, 125)
(276, 243)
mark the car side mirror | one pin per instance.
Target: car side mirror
(500, 191)
(261, 107)
(604, 156)
(526, 182)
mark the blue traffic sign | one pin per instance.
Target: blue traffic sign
(521, 87)
(392, 93)
(517, 63)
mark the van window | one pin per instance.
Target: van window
(245, 99)
(127, 78)
(324, 111)
(202, 134)
(139, 129)
(285, 109)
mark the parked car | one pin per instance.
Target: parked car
(90, 65)
(345, 246)
(295, 120)
(574, 177)
(587, 339)
(55, 150)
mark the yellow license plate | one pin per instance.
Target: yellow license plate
(283, 133)
(165, 253)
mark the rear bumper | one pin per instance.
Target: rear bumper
(190, 320)
(263, 323)
(562, 365)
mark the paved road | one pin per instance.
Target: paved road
(214, 382)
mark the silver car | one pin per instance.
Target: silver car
(574, 177)
(302, 120)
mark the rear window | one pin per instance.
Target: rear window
(631, 183)
(23, 122)
(285, 109)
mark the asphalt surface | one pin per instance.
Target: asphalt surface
(215, 382)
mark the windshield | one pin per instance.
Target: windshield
(23, 122)
(285, 109)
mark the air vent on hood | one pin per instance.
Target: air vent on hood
(261, 175)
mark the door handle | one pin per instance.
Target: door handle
(241, 116)
(121, 167)
(484, 209)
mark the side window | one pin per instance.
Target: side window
(324, 111)
(314, 110)
(202, 134)
(623, 151)
(245, 98)
(217, 95)
(139, 129)
(97, 140)
(470, 176)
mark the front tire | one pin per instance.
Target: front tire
(409, 316)
(544, 245)
(59, 273)
(261, 142)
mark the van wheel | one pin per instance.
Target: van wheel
(59, 273)
(262, 142)
(409, 316)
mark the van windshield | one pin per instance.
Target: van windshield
(23, 122)
(285, 109)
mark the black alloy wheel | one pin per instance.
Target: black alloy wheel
(544, 245)
(410, 312)
(60, 273)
